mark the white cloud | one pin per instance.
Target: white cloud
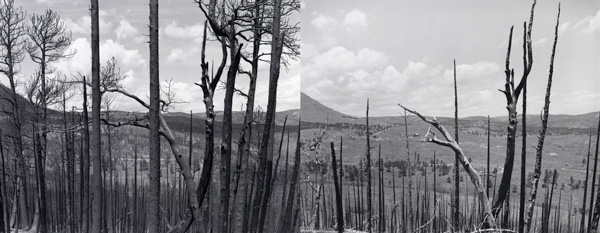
(184, 32)
(355, 19)
(184, 55)
(323, 23)
(340, 59)
(467, 72)
(125, 30)
(81, 61)
(44, 1)
(82, 25)
(591, 23)
(564, 26)
(540, 42)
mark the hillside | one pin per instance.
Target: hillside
(314, 111)
(6, 96)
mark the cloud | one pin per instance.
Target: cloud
(81, 61)
(353, 76)
(44, 1)
(125, 30)
(184, 32)
(468, 72)
(82, 25)
(540, 42)
(354, 20)
(323, 23)
(591, 23)
(340, 59)
(563, 26)
(184, 55)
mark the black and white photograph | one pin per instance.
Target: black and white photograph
(259, 116)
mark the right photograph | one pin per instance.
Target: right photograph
(450, 116)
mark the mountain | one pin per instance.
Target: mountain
(314, 111)
(238, 116)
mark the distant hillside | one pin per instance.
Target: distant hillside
(238, 116)
(6, 96)
(581, 121)
(313, 111)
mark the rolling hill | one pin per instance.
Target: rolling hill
(316, 112)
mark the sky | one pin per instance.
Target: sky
(402, 52)
(123, 35)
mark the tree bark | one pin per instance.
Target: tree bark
(97, 201)
(585, 186)
(512, 96)
(456, 216)
(368, 173)
(287, 217)
(153, 113)
(274, 70)
(596, 215)
(542, 134)
(338, 194)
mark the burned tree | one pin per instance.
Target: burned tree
(489, 218)
(153, 115)
(12, 52)
(542, 134)
(512, 93)
(48, 40)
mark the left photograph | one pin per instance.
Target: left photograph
(150, 116)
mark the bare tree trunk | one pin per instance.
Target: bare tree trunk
(585, 186)
(542, 134)
(596, 214)
(85, 165)
(523, 162)
(276, 50)
(512, 96)
(4, 216)
(338, 194)
(246, 137)
(12, 43)
(368, 171)
(487, 179)
(153, 113)
(456, 216)
(135, 189)
(287, 216)
(97, 201)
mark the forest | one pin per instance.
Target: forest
(98, 168)
(75, 160)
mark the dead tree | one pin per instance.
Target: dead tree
(489, 218)
(542, 134)
(153, 113)
(48, 40)
(223, 25)
(456, 216)
(596, 214)
(338, 194)
(12, 52)
(368, 173)
(512, 93)
(585, 186)
(523, 162)
(287, 216)
(95, 142)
